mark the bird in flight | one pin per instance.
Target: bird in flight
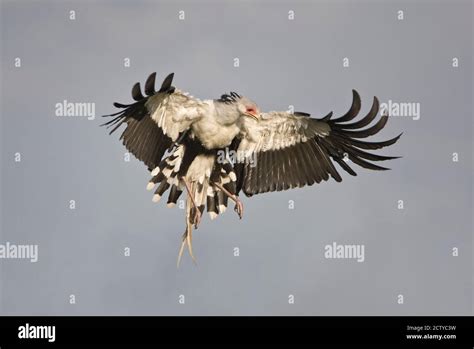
(214, 149)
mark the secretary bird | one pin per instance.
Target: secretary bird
(181, 140)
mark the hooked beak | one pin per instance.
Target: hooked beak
(252, 114)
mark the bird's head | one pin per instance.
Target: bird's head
(249, 108)
(233, 107)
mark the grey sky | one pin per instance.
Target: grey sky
(282, 63)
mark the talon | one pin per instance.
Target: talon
(239, 208)
(197, 219)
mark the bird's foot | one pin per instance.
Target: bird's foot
(197, 218)
(239, 207)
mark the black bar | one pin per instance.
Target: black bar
(330, 330)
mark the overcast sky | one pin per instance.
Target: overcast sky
(282, 62)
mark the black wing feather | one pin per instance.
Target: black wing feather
(142, 137)
(311, 161)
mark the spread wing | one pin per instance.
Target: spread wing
(155, 121)
(283, 150)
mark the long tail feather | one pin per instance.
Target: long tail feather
(187, 239)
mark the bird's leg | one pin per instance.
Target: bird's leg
(197, 216)
(239, 207)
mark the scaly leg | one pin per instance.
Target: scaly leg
(239, 207)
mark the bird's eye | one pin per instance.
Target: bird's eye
(250, 110)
